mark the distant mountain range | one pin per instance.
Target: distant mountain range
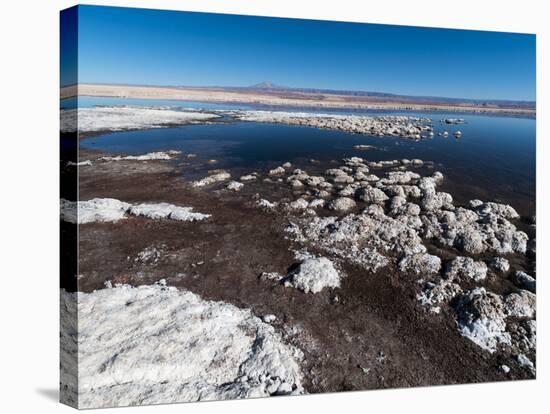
(267, 85)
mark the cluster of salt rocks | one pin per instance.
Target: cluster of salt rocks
(392, 126)
(398, 211)
(386, 219)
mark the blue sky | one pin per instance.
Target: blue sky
(137, 46)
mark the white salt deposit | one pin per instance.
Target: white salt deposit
(277, 171)
(120, 118)
(235, 186)
(151, 156)
(263, 203)
(85, 163)
(521, 305)
(155, 344)
(482, 319)
(314, 274)
(433, 294)
(342, 204)
(94, 210)
(461, 268)
(420, 264)
(299, 204)
(212, 179)
(524, 361)
(112, 210)
(166, 211)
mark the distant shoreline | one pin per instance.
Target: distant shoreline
(283, 98)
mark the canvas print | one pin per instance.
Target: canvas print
(256, 207)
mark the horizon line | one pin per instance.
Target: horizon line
(282, 88)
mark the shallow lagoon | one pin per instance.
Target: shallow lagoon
(495, 158)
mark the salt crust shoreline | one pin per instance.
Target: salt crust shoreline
(121, 118)
(156, 344)
(112, 210)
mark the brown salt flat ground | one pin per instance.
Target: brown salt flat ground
(374, 336)
(282, 98)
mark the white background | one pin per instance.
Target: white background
(29, 202)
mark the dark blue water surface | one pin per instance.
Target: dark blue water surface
(91, 101)
(493, 160)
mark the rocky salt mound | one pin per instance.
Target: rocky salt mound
(122, 118)
(313, 275)
(112, 210)
(398, 126)
(481, 319)
(493, 321)
(154, 344)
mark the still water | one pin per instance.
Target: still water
(495, 159)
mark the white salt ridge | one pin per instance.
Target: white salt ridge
(80, 163)
(153, 344)
(94, 210)
(166, 211)
(151, 156)
(212, 179)
(118, 118)
(112, 210)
